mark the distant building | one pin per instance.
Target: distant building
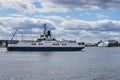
(108, 43)
(90, 44)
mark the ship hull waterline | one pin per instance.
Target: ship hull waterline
(45, 48)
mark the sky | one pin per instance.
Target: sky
(82, 20)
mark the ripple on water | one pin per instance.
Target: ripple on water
(90, 64)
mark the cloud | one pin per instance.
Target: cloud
(24, 6)
(92, 31)
(81, 30)
(28, 26)
(85, 35)
(48, 6)
(85, 4)
(29, 6)
(16, 15)
(101, 25)
(52, 17)
(25, 24)
(101, 16)
(35, 30)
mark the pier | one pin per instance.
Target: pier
(4, 43)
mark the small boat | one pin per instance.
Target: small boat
(46, 43)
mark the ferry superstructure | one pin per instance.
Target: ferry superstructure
(46, 43)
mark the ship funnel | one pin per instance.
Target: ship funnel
(45, 32)
(49, 33)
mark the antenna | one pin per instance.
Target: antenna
(44, 29)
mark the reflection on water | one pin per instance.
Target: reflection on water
(89, 64)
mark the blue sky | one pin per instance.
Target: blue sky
(84, 20)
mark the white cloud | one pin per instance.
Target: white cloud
(76, 24)
(1, 38)
(52, 17)
(88, 4)
(101, 16)
(28, 6)
(35, 29)
(68, 5)
(51, 7)
(68, 17)
(24, 6)
(88, 31)
(87, 13)
(105, 25)
(85, 35)
(16, 15)
(27, 25)
(93, 31)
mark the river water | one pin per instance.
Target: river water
(92, 63)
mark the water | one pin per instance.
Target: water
(90, 64)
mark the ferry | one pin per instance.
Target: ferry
(46, 43)
(108, 43)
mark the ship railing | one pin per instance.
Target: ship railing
(27, 41)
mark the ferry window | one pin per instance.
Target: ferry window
(55, 44)
(81, 43)
(33, 44)
(63, 44)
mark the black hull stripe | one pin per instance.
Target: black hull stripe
(44, 48)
